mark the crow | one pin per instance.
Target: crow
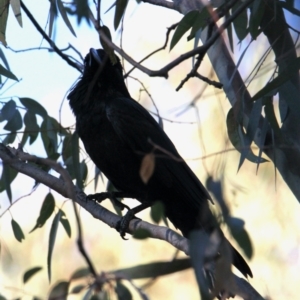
(117, 133)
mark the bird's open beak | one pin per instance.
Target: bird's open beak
(94, 55)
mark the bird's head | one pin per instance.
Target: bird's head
(99, 61)
(109, 74)
(100, 79)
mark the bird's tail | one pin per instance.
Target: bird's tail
(239, 262)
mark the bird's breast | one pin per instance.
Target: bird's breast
(119, 163)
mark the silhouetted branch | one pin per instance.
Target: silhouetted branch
(48, 39)
(169, 29)
(18, 160)
(163, 72)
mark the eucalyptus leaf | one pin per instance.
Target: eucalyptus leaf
(18, 233)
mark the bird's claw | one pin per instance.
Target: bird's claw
(99, 197)
(122, 225)
(121, 229)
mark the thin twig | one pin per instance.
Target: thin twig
(163, 72)
(48, 39)
(169, 29)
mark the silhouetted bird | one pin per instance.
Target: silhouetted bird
(116, 132)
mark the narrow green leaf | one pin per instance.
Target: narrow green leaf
(10, 138)
(18, 233)
(200, 22)
(3, 21)
(2, 297)
(257, 13)
(8, 110)
(240, 234)
(82, 10)
(141, 234)
(59, 291)
(284, 76)
(198, 240)
(52, 133)
(100, 296)
(2, 56)
(120, 10)
(7, 73)
(24, 139)
(45, 139)
(31, 272)
(270, 115)
(77, 289)
(70, 167)
(122, 291)
(154, 269)
(237, 138)
(241, 22)
(45, 212)
(63, 13)
(83, 171)
(184, 25)
(32, 127)
(16, 7)
(80, 273)
(15, 123)
(52, 237)
(52, 16)
(65, 222)
(262, 139)
(290, 94)
(254, 118)
(157, 211)
(283, 109)
(8, 176)
(245, 146)
(34, 107)
(7, 180)
(58, 128)
(67, 148)
(49, 135)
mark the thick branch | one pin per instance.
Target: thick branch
(9, 156)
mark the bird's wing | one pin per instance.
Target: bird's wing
(135, 126)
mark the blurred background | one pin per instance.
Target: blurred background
(195, 120)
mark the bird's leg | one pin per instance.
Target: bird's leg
(123, 224)
(113, 196)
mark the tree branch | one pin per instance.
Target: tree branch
(18, 160)
(237, 92)
(163, 72)
(47, 38)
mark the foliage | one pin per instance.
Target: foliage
(250, 120)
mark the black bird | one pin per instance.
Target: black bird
(117, 132)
